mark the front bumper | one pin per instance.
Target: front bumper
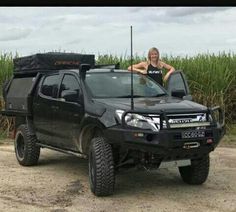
(169, 143)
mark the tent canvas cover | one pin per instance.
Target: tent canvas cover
(52, 61)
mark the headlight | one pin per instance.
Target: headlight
(140, 121)
(202, 117)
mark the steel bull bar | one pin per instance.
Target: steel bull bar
(214, 121)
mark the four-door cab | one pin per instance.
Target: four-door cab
(86, 112)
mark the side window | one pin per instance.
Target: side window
(69, 85)
(50, 86)
(177, 82)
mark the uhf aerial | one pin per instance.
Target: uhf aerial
(131, 61)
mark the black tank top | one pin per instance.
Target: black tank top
(155, 73)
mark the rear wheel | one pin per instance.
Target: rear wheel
(197, 172)
(101, 167)
(27, 152)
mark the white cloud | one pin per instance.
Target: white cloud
(16, 33)
(231, 41)
(188, 11)
(175, 30)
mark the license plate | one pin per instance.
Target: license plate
(193, 134)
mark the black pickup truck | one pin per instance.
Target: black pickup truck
(65, 102)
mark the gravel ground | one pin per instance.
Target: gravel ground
(59, 183)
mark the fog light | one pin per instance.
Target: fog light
(209, 141)
(138, 135)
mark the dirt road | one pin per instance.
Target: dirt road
(60, 183)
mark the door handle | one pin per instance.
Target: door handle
(76, 115)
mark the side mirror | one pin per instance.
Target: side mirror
(188, 97)
(70, 96)
(178, 93)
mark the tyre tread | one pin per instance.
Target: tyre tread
(104, 179)
(32, 153)
(197, 172)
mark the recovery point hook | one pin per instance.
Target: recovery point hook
(191, 145)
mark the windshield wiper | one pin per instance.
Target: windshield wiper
(136, 96)
(162, 94)
(129, 96)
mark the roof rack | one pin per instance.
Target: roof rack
(111, 66)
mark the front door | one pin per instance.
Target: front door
(69, 113)
(177, 85)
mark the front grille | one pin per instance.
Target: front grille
(192, 120)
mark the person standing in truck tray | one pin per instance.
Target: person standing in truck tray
(153, 67)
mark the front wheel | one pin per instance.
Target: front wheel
(101, 167)
(197, 172)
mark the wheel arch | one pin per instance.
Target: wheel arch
(90, 129)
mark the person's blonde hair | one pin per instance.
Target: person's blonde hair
(149, 55)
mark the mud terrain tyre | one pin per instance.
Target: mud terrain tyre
(197, 172)
(101, 167)
(27, 152)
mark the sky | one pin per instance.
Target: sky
(176, 31)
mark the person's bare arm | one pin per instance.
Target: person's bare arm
(170, 69)
(140, 67)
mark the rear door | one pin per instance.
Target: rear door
(43, 107)
(177, 85)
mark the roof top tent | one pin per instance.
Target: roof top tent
(26, 74)
(51, 61)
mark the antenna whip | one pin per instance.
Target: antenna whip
(131, 61)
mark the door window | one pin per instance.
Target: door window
(177, 82)
(69, 83)
(50, 86)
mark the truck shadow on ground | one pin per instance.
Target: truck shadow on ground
(59, 158)
(128, 180)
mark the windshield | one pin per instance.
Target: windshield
(118, 85)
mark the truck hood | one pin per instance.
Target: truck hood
(152, 104)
